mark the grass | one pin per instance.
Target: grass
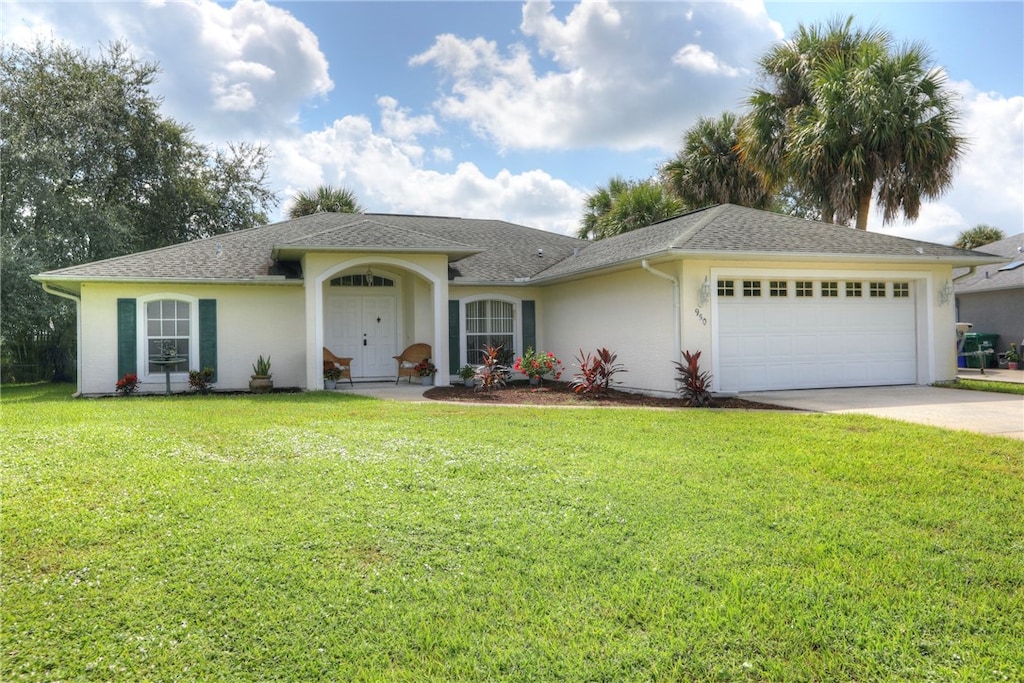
(318, 536)
(984, 385)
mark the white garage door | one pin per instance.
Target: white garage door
(801, 334)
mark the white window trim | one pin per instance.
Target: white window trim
(517, 307)
(141, 337)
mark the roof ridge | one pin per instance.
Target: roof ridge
(409, 231)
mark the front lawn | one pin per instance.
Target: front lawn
(329, 537)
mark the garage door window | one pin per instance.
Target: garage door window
(829, 290)
(751, 288)
(777, 288)
(901, 290)
(804, 288)
(726, 288)
(877, 290)
(853, 290)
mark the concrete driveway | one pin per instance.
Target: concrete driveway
(975, 411)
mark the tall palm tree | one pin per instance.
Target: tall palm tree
(978, 236)
(325, 198)
(709, 168)
(626, 205)
(851, 119)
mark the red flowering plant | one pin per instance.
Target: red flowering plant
(425, 368)
(127, 385)
(538, 364)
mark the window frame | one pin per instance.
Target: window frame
(142, 337)
(517, 321)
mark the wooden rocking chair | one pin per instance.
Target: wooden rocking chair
(344, 364)
(409, 358)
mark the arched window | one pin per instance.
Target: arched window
(168, 328)
(490, 322)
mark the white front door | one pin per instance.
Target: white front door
(363, 327)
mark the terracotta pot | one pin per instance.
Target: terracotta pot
(1011, 365)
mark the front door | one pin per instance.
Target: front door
(363, 327)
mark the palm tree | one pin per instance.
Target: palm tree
(709, 168)
(978, 236)
(626, 205)
(851, 119)
(324, 198)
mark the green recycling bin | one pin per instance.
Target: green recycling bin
(981, 341)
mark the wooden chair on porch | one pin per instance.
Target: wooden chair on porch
(344, 364)
(408, 359)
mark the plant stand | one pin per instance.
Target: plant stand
(167, 363)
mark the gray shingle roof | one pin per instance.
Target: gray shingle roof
(501, 252)
(729, 230)
(990, 277)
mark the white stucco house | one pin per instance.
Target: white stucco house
(772, 301)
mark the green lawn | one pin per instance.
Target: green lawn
(325, 537)
(984, 385)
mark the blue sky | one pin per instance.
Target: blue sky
(517, 110)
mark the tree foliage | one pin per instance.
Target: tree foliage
(92, 170)
(978, 236)
(625, 205)
(847, 117)
(709, 168)
(325, 198)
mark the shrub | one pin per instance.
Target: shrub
(596, 372)
(201, 380)
(538, 364)
(127, 385)
(493, 373)
(693, 384)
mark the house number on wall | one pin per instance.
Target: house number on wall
(700, 316)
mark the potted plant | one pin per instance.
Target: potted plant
(467, 373)
(331, 377)
(426, 371)
(1012, 357)
(538, 364)
(260, 382)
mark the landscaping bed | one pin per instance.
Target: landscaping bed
(561, 394)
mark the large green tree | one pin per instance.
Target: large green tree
(710, 170)
(91, 170)
(325, 198)
(848, 118)
(625, 205)
(978, 236)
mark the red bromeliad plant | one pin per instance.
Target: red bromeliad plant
(127, 385)
(596, 372)
(538, 364)
(492, 374)
(694, 385)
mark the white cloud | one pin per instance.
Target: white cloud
(235, 71)
(697, 59)
(387, 178)
(612, 80)
(989, 187)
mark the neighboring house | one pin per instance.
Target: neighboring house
(772, 301)
(991, 297)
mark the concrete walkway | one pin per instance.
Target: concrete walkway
(403, 391)
(974, 411)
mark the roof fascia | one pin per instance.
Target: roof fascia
(275, 280)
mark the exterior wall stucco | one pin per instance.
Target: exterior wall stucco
(251, 320)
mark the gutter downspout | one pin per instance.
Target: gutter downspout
(78, 331)
(675, 304)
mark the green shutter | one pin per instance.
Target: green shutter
(453, 336)
(208, 335)
(529, 325)
(126, 332)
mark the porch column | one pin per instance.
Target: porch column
(443, 376)
(314, 334)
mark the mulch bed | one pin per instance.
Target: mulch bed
(561, 394)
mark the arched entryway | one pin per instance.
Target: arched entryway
(363, 321)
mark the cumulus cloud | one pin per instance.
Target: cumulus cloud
(989, 187)
(388, 178)
(613, 76)
(230, 71)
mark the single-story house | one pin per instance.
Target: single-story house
(991, 297)
(771, 301)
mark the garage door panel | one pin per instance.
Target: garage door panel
(790, 343)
